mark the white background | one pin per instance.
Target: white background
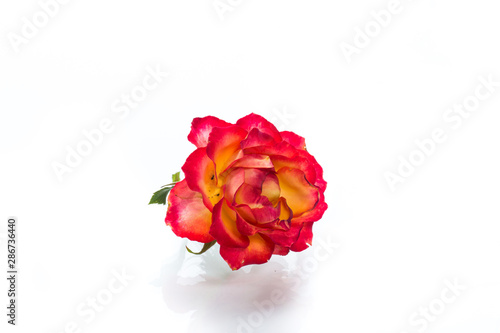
(397, 248)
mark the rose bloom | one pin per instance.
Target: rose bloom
(254, 190)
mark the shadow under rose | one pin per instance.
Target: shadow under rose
(256, 298)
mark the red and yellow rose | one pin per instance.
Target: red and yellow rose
(252, 189)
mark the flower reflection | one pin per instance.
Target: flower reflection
(221, 300)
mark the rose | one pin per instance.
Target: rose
(252, 189)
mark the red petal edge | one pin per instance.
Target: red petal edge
(259, 251)
(201, 129)
(187, 215)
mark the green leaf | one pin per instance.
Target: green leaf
(160, 197)
(176, 177)
(206, 246)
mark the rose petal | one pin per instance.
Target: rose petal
(248, 195)
(321, 207)
(255, 121)
(244, 227)
(300, 195)
(200, 176)
(259, 251)
(315, 214)
(295, 140)
(201, 129)
(296, 162)
(283, 148)
(305, 238)
(251, 196)
(266, 217)
(280, 250)
(187, 215)
(257, 138)
(285, 238)
(318, 211)
(255, 177)
(286, 212)
(257, 209)
(253, 161)
(267, 214)
(223, 227)
(224, 146)
(233, 182)
(274, 225)
(320, 182)
(246, 213)
(271, 188)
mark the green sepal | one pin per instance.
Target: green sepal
(160, 196)
(176, 177)
(205, 248)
